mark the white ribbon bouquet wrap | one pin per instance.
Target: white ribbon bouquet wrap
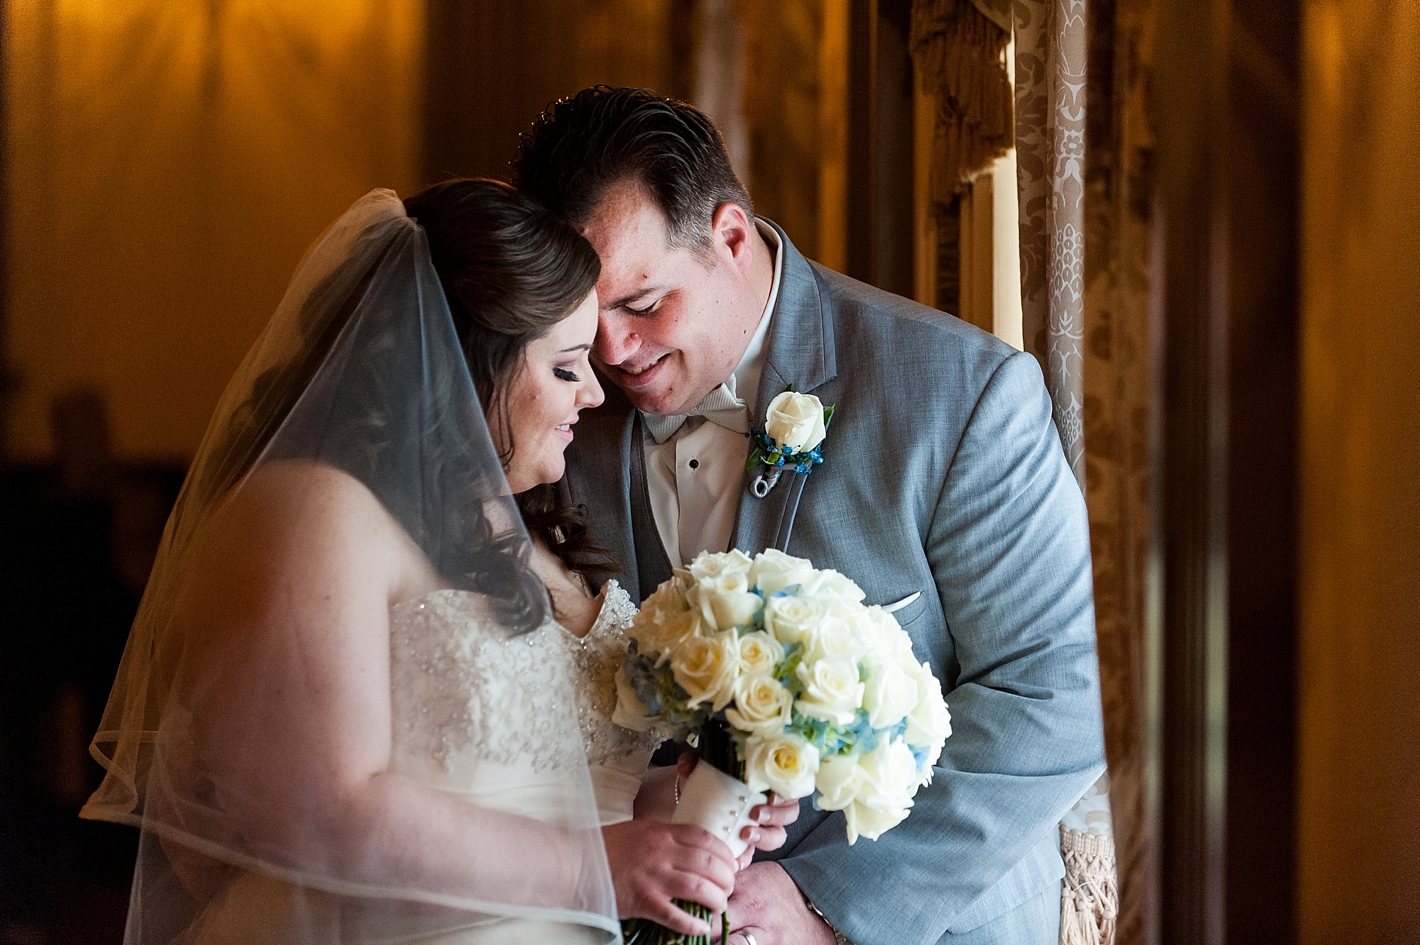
(785, 682)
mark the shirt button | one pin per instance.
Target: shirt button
(695, 464)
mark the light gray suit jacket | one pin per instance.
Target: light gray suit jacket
(943, 476)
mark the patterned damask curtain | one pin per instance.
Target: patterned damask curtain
(1084, 235)
(1051, 68)
(1115, 347)
(1051, 54)
(1083, 251)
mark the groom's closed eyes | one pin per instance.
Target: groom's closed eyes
(636, 303)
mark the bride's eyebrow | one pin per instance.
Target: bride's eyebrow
(575, 348)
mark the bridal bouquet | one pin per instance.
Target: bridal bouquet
(784, 681)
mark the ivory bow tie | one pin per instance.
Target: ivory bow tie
(719, 407)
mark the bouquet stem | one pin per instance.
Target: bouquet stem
(717, 750)
(646, 932)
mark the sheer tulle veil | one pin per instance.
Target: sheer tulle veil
(359, 374)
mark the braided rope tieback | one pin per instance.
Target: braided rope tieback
(1089, 901)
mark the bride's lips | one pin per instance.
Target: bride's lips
(642, 378)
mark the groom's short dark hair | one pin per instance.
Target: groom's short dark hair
(582, 145)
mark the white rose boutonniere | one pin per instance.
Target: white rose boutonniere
(794, 429)
(795, 421)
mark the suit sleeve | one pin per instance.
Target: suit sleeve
(1008, 546)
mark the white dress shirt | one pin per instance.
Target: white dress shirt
(694, 478)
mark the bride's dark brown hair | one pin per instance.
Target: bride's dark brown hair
(511, 270)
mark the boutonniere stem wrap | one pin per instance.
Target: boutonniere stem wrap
(792, 436)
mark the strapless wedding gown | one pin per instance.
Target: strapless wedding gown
(478, 713)
(475, 713)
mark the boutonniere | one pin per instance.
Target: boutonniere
(794, 427)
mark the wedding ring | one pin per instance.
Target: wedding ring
(749, 938)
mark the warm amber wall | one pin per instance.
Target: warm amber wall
(1359, 851)
(169, 161)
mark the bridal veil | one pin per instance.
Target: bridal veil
(360, 375)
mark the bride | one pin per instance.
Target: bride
(348, 710)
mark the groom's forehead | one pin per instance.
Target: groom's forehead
(627, 215)
(632, 239)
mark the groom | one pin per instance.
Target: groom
(943, 492)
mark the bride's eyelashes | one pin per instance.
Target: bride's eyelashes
(562, 374)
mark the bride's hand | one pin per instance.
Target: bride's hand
(771, 819)
(654, 862)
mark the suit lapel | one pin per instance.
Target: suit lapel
(799, 353)
(653, 565)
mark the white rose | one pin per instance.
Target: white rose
(659, 633)
(773, 570)
(792, 619)
(889, 693)
(725, 600)
(783, 763)
(759, 653)
(839, 781)
(890, 770)
(668, 599)
(795, 421)
(706, 666)
(709, 564)
(929, 723)
(925, 777)
(882, 633)
(829, 583)
(762, 705)
(834, 637)
(630, 711)
(832, 690)
(888, 779)
(867, 820)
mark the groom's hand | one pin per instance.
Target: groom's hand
(768, 904)
(771, 819)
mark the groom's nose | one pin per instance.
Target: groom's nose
(615, 342)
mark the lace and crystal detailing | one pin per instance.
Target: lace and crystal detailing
(595, 658)
(467, 694)
(462, 682)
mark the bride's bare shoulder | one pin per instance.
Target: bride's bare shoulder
(306, 515)
(305, 479)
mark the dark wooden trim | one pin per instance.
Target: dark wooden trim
(1192, 225)
(1229, 153)
(1264, 216)
(859, 199)
(8, 380)
(880, 154)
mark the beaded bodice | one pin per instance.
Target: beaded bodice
(467, 693)
(594, 660)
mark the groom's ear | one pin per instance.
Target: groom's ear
(730, 232)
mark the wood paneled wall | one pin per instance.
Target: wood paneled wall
(168, 161)
(1359, 820)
